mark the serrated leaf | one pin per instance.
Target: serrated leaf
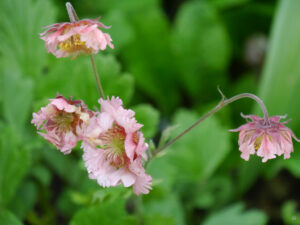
(149, 117)
(235, 215)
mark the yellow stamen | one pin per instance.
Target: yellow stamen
(74, 44)
(257, 142)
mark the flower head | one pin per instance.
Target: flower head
(114, 148)
(62, 121)
(73, 38)
(265, 137)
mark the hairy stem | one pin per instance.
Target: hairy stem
(73, 18)
(224, 102)
(96, 75)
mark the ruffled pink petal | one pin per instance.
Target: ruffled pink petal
(143, 181)
(247, 150)
(130, 146)
(62, 104)
(267, 149)
(110, 106)
(101, 170)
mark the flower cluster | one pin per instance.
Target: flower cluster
(267, 137)
(113, 145)
(111, 139)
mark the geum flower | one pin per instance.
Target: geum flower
(62, 122)
(114, 148)
(265, 137)
(73, 38)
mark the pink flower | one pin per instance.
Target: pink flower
(266, 138)
(114, 148)
(64, 39)
(62, 121)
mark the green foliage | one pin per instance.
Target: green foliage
(109, 213)
(279, 87)
(19, 28)
(167, 55)
(289, 213)
(202, 47)
(149, 117)
(7, 218)
(165, 208)
(234, 215)
(21, 89)
(208, 144)
(14, 162)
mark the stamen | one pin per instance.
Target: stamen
(74, 44)
(257, 142)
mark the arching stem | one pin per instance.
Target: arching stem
(224, 102)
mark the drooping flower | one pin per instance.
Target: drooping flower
(114, 148)
(61, 122)
(265, 137)
(73, 38)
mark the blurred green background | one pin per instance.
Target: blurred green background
(169, 57)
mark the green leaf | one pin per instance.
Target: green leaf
(149, 117)
(19, 89)
(202, 47)
(225, 4)
(79, 77)
(14, 162)
(234, 215)
(199, 153)
(158, 220)
(289, 213)
(121, 30)
(20, 25)
(108, 213)
(123, 87)
(148, 57)
(167, 206)
(210, 195)
(25, 199)
(7, 218)
(279, 87)
(127, 6)
(166, 134)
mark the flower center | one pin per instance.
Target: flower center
(113, 144)
(64, 120)
(74, 44)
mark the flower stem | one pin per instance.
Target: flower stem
(73, 18)
(224, 102)
(96, 75)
